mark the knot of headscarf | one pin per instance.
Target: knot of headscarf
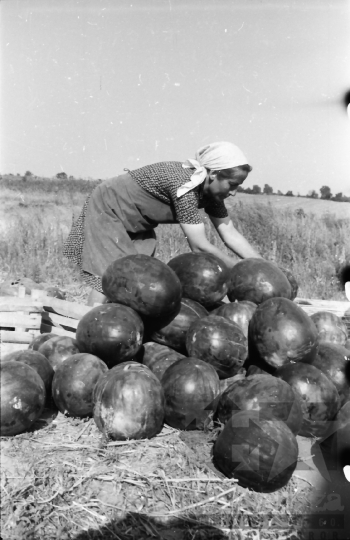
(214, 157)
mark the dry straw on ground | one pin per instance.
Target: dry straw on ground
(63, 480)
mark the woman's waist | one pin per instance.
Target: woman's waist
(132, 203)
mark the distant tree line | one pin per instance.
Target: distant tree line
(325, 193)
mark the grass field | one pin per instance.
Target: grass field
(64, 481)
(36, 216)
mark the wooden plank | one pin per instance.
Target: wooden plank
(6, 336)
(56, 330)
(54, 319)
(321, 302)
(4, 308)
(68, 309)
(313, 305)
(14, 320)
(61, 307)
(316, 309)
(12, 303)
(21, 291)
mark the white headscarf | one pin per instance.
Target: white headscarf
(215, 156)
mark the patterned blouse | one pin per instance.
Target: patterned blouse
(163, 180)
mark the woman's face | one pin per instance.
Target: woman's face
(223, 188)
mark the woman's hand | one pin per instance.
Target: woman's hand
(233, 239)
(198, 242)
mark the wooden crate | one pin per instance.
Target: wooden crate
(23, 317)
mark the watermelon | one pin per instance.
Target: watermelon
(113, 332)
(57, 349)
(330, 327)
(258, 450)
(37, 361)
(263, 393)
(237, 312)
(129, 403)
(174, 334)
(257, 280)
(218, 342)
(256, 370)
(144, 284)
(23, 397)
(191, 388)
(203, 276)
(334, 361)
(225, 383)
(280, 332)
(40, 339)
(293, 282)
(318, 396)
(159, 357)
(74, 381)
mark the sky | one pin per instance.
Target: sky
(90, 87)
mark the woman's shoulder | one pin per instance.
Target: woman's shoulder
(160, 166)
(162, 172)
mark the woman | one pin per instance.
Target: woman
(120, 216)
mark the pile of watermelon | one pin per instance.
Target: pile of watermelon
(166, 348)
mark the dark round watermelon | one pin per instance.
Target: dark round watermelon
(225, 383)
(258, 450)
(204, 277)
(174, 334)
(292, 280)
(256, 370)
(58, 348)
(22, 397)
(143, 283)
(280, 332)
(113, 332)
(212, 308)
(74, 381)
(129, 403)
(96, 392)
(40, 339)
(318, 396)
(263, 393)
(218, 342)
(12, 355)
(334, 361)
(191, 388)
(330, 327)
(159, 357)
(237, 312)
(37, 361)
(257, 280)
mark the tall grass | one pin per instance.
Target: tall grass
(312, 247)
(33, 248)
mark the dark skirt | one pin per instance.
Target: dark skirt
(117, 219)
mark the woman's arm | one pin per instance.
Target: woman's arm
(198, 242)
(233, 239)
